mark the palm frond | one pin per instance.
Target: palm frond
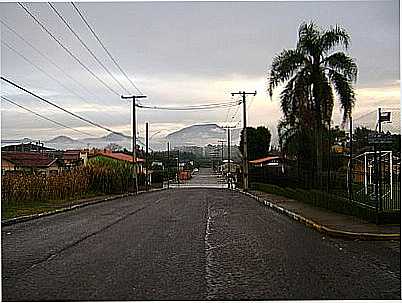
(327, 97)
(283, 67)
(342, 63)
(309, 37)
(333, 37)
(295, 98)
(344, 90)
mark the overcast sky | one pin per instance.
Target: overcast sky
(181, 53)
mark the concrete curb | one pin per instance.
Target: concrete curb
(324, 229)
(72, 207)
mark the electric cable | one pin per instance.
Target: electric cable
(189, 108)
(68, 51)
(43, 71)
(61, 108)
(104, 48)
(46, 57)
(44, 117)
(86, 46)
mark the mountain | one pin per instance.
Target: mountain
(16, 141)
(111, 137)
(201, 135)
(115, 137)
(62, 140)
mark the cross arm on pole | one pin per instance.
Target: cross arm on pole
(134, 97)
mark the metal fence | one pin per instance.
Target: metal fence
(373, 185)
(376, 180)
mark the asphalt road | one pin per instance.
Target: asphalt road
(205, 178)
(189, 244)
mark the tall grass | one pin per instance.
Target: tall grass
(103, 176)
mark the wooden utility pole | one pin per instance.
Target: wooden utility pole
(245, 158)
(229, 161)
(146, 157)
(134, 131)
(168, 164)
(350, 156)
(222, 141)
(178, 166)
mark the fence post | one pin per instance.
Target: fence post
(376, 183)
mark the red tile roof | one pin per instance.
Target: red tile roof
(28, 159)
(119, 156)
(71, 155)
(262, 160)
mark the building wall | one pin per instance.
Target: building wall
(6, 166)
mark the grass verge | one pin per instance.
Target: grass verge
(18, 209)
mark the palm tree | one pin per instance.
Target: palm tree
(311, 73)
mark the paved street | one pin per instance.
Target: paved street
(189, 244)
(206, 178)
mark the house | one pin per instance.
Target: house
(267, 161)
(28, 147)
(275, 163)
(30, 162)
(120, 157)
(76, 157)
(234, 167)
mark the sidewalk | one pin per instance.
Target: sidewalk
(328, 222)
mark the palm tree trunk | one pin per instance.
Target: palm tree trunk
(318, 139)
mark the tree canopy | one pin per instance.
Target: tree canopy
(313, 73)
(258, 142)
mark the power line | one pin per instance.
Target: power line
(43, 71)
(67, 111)
(43, 117)
(235, 114)
(67, 50)
(104, 47)
(227, 113)
(189, 108)
(61, 108)
(86, 46)
(49, 75)
(248, 107)
(45, 57)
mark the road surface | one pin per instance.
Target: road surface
(205, 178)
(189, 244)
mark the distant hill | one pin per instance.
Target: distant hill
(112, 137)
(201, 135)
(62, 140)
(16, 141)
(115, 137)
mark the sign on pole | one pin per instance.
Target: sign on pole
(380, 138)
(385, 117)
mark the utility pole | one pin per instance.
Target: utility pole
(146, 157)
(350, 156)
(134, 132)
(168, 164)
(229, 161)
(222, 141)
(178, 166)
(379, 164)
(245, 158)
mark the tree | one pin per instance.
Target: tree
(258, 141)
(311, 73)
